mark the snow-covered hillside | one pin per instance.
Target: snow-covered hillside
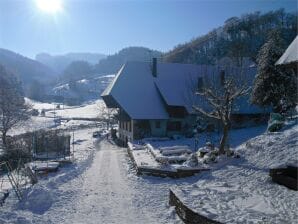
(84, 89)
(241, 191)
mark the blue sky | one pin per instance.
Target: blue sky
(108, 26)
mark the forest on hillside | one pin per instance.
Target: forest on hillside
(239, 39)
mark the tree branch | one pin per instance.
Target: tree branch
(210, 115)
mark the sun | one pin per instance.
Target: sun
(49, 6)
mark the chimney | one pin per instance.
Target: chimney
(154, 67)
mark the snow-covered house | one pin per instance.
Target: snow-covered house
(290, 57)
(156, 99)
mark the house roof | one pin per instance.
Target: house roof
(143, 96)
(290, 55)
(134, 90)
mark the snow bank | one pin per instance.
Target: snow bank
(38, 200)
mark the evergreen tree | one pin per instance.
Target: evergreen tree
(273, 86)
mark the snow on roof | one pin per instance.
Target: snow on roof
(110, 86)
(143, 96)
(133, 88)
(290, 55)
(175, 82)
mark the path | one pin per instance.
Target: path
(107, 196)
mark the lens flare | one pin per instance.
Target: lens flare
(49, 6)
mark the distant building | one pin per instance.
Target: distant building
(156, 99)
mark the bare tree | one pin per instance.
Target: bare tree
(106, 115)
(13, 109)
(220, 92)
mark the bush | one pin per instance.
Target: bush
(34, 112)
(276, 122)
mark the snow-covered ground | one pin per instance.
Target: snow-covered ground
(100, 188)
(88, 110)
(42, 106)
(155, 154)
(85, 111)
(32, 124)
(236, 137)
(241, 191)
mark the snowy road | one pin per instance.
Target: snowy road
(107, 196)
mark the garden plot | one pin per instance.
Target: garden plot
(142, 156)
(167, 161)
(171, 154)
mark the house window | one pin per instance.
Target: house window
(157, 124)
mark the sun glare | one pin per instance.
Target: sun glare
(49, 6)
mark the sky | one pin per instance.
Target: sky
(102, 26)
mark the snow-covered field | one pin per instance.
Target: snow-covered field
(241, 191)
(84, 111)
(32, 124)
(87, 110)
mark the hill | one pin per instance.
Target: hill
(81, 81)
(26, 69)
(239, 39)
(59, 62)
(76, 92)
(113, 63)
